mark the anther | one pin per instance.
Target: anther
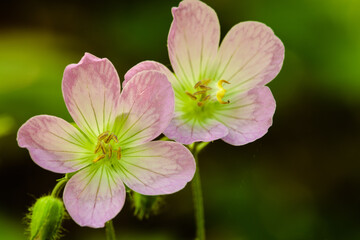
(110, 151)
(200, 104)
(197, 84)
(98, 158)
(108, 139)
(200, 92)
(102, 146)
(206, 81)
(118, 155)
(221, 92)
(191, 96)
(205, 87)
(206, 98)
(114, 137)
(103, 135)
(97, 148)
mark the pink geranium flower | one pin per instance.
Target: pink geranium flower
(219, 92)
(111, 144)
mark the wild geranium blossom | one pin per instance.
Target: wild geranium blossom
(111, 144)
(219, 92)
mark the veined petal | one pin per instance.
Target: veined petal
(249, 116)
(146, 107)
(94, 195)
(157, 167)
(189, 130)
(250, 55)
(54, 144)
(193, 41)
(146, 66)
(91, 91)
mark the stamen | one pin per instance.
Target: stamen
(102, 146)
(103, 135)
(205, 87)
(110, 151)
(97, 148)
(197, 84)
(206, 81)
(200, 92)
(191, 96)
(98, 158)
(221, 92)
(114, 137)
(200, 104)
(118, 155)
(108, 139)
(206, 98)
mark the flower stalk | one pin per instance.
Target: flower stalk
(197, 192)
(109, 229)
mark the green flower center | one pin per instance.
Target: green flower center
(107, 147)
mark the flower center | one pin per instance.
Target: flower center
(201, 92)
(105, 148)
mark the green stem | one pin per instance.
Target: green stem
(58, 187)
(109, 229)
(197, 193)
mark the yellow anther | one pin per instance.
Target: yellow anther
(118, 155)
(200, 104)
(221, 92)
(114, 137)
(197, 84)
(206, 81)
(200, 92)
(97, 148)
(191, 96)
(98, 158)
(102, 146)
(103, 135)
(205, 87)
(206, 98)
(108, 139)
(110, 151)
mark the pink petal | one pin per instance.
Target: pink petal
(249, 55)
(94, 195)
(91, 91)
(147, 106)
(193, 40)
(149, 65)
(187, 131)
(157, 167)
(249, 116)
(54, 144)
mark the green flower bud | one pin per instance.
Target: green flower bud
(144, 206)
(45, 218)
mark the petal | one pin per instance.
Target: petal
(146, 107)
(94, 195)
(193, 40)
(91, 91)
(249, 55)
(54, 144)
(157, 167)
(189, 130)
(146, 66)
(249, 116)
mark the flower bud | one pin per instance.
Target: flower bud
(46, 216)
(144, 206)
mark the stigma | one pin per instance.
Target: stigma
(221, 92)
(104, 146)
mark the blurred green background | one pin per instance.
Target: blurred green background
(299, 182)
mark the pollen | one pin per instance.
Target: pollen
(221, 92)
(118, 155)
(98, 158)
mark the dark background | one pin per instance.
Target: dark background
(299, 182)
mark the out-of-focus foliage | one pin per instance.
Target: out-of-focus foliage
(301, 181)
